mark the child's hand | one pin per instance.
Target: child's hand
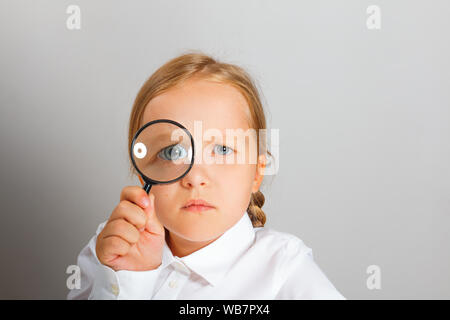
(133, 238)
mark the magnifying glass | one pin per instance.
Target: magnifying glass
(162, 151)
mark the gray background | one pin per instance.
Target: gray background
(363, 118)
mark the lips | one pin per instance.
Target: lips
(197, 205)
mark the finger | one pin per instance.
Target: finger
(123, 229)
(136, 195)
(115, 246)
(131, 213)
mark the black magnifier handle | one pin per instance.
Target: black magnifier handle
(147, 187)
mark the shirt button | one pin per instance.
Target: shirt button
(115, 289)
(181, 268)
(173, 284)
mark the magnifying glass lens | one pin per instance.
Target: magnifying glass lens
(163, 151)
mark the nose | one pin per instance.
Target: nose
(196, 177)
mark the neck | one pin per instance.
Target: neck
(181, 247)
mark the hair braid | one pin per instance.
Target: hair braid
(256, 214)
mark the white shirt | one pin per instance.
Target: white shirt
(244, 263)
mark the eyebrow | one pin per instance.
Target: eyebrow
(225, 140)
(160, 134)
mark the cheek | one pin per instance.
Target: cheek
(241, 174)
(164, 195)
(236, 182)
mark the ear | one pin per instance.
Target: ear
(259, 173)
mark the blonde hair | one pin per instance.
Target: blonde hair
(199, 65)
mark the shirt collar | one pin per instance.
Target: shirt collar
(213, 261)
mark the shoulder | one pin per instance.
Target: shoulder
(284, 251)
(286, 243)
(296, 274)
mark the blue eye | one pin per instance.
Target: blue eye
(173, 153)
(222, 150)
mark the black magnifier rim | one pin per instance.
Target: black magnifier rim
(147, 179)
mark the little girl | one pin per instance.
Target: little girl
(157, 246)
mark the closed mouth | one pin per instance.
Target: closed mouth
(197, 205)
(197, 209)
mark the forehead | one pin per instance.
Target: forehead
(217, 105)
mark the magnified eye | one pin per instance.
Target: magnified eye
(222, 150)
(172, 153)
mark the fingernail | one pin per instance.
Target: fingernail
(145, 202)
